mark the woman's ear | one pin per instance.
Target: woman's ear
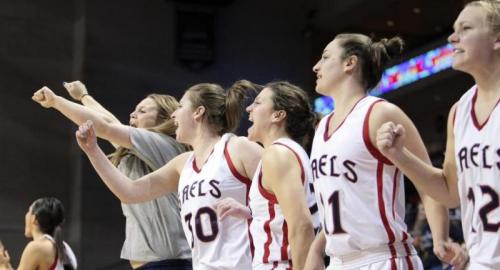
(279, 116)
(350, 63)
(198, 112)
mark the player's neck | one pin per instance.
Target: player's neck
(273, 135)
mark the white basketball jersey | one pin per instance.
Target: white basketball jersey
(216, 244)
(268, 228)
(477, 154)
(361, 194)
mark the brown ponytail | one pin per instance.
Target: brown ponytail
(373, 57)
(222, 110)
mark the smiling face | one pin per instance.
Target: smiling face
(473, 40)
(260, 113)
(184, 120)
(145, 114)
(329, 69)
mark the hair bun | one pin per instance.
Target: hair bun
(393, 46)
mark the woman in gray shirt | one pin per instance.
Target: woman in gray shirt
(154, 237)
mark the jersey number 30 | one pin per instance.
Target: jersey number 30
(201, 232)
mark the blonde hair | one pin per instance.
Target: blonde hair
(492, 8)
(164, 123)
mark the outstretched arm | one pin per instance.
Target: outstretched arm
(79, 92)
(282, 175)
(146, 188)
(116, 133)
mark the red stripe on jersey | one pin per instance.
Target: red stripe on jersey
(275, 264)
(393, 263)
(394, 191)
(54, 264)
(327, 136)
(195, 168)
(473, 112)
(302, 172)
(267, 229)
(252, 246)
(266, 194)
(407, 249)
(366, 137)
(381, 207)
(245, 180)
(284, 244)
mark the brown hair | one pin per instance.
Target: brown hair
(372, 56)
(223, 110)
(492, 8)
(164, 123)
(300, 118)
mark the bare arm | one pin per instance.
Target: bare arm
(282, 176)
(33, 255)
(437, 183)
(437, 214)
(146, 188)
(116, 133)
(78, 92)
(245, 155)
(315, 257)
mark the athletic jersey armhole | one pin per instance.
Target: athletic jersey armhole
(54, 264)
(302, 171)
(366, 137)
(245, 180)
(264, 192)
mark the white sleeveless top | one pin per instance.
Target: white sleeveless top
(216, 244)
(58, 265)
(477, 154)
(268, 228)
(360, 193)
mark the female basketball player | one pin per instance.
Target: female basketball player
(219, 167)
(360, 191)
(471, 172)
(281, 227)
(153, 234)
(47, 250)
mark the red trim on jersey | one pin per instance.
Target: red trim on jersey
(275, 264)
(473, 112)
(195, 168)
(245, 180)
(366, 136)
(394, 191)
(54, 264)
(302, 171)
(284, 244)
(393, 262)
(252, 246)
(266, 194)
(267, 229)
(327, 136)
(407, 249)
(381, 207)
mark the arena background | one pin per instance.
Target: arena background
(123, 50)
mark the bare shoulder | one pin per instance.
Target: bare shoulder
(241, 144)
(179, 161)
(277, 155)
(386, 111)
(39, 250)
